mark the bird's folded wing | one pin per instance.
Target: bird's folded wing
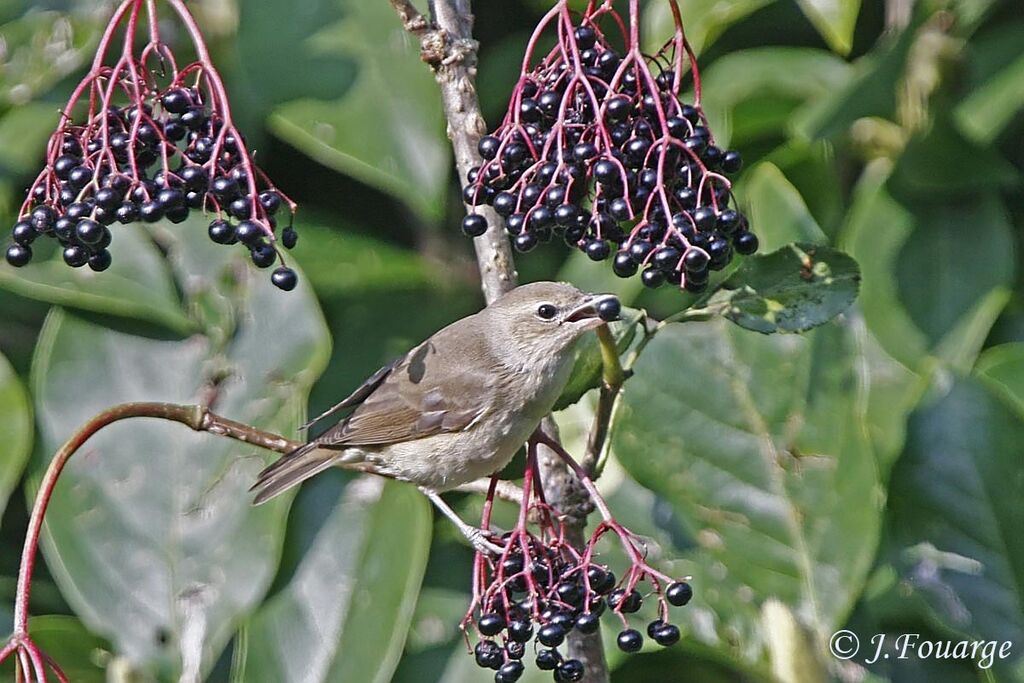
(426, 393)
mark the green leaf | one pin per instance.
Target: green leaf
(777, 212)
(793, 289)
(913, 255)
(1001, 368)
(993, 102)
(750, 94)
(24, 131)
(586, 371)
(137, 285)
(705, 20)
(72, 647)
(151, 534)
(405, 154)
(16, 430)
(759, 444)
(835, 21)
(346, 612)
(956, 519)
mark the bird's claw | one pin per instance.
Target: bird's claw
(478, 539)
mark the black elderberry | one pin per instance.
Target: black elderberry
(529, 110)
(284, 278)
(630, 640)
(23, 233)
(569, 671)
(609, 310)
(549, 101)
(249, 231)
(606, 172)
(520, 631)
(177, 214)
(732, 162)
(510, 672)
(617, 109)
(555, 196)
(67, 195)
(271, 201)
(127, 213)
(289, 238)
(263, 255)
(584, 151)
(487, 654)
(240, 208)
(79, 177)
(695, 260)
(654, 626)
(705, 218)
(666, 258)
(745, 242)
(89, 232)
(639, 250)
(42, 218)
(63, 165)
(679, 593)
(547, 660)
(515, 650)
(551, 635)
(170, 198)
(77, 210)
(504, 204)
(64, 228)
(19, 254)
(588, 623)
(488, 147)
(195, 118)
(151, 211)
(224, 188)
(597, 249)
(176, 101)
(514, 223)
(635, 151)
(562, 619)
(491, 624)
(666, 635)
(529, 195)
(627, 603)
(540, 217)
(100, 261)
(76, 256)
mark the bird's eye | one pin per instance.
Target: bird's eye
(547, 311)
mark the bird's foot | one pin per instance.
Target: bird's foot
(479, 539)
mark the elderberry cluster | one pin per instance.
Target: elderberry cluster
(117, 168)
(601, 150)
(544, 601)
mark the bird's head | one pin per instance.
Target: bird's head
(546, 318)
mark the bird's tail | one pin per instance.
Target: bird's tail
(291, 470)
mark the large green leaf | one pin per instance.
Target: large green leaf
(15, 430)
(705, 20)
(752, 93)
(793, 289)
(388, 130)
(151, 534)
(915, 255)
(80, 654)
(1002, 369)
(777, 212)
(955, 518)
(760, 444)
(998, 95)
(137, 285)
(835, 21)
(345, 613)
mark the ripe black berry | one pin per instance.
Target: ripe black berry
(626, 603)
(76, 256)
(525, 242)
(289, 238)
(100, 261)
(732, 162)
(176, 101)
(705, 218)
(284, 278)
(630, 640)
(221, 232)
(474, 225)
(679, 593)
(609, 310)
(509, 673)
(547, 660)
(666, 635)
(23, 233)
(587, 623)
(488, 146)
(271, 201)
(746, 243)
(487, 654)
(19, 255)
(127, 213)
(551, 635)
(89, 231)
(569, 671)
(249, 231)
(151, 211)
(42, 218)
(598, 250)
(520, 631)
(491, 624)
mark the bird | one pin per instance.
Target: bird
(458, 406)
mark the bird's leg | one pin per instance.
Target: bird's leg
(477, 537)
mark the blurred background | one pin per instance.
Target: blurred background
(867, 475)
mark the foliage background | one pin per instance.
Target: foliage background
(867, 475)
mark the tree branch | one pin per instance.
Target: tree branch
(448, 47)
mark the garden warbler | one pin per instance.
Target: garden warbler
(458, 406)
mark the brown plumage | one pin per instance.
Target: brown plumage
(459, 405)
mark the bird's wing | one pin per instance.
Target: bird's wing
(359, 395)
(435, 388)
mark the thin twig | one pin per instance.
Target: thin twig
(611, 383)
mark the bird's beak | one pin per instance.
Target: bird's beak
(588, 312)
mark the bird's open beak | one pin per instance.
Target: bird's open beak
(590, 311)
